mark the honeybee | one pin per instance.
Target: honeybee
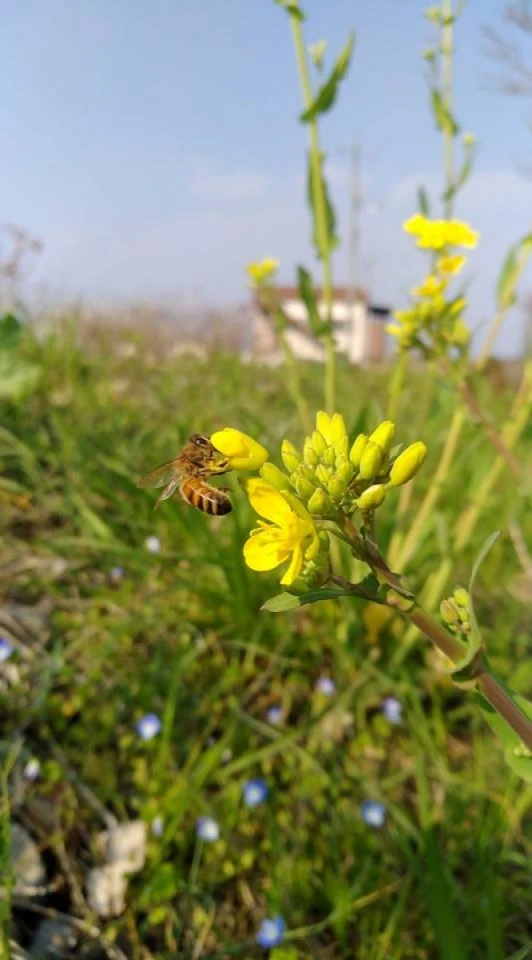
(187, 473)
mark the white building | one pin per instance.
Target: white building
(358, 327)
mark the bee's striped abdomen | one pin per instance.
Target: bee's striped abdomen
(205, 498)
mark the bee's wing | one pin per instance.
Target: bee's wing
(165, 473)
(169, 490)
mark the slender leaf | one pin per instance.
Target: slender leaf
(330, 216)
(328, 92)
(481, 556)
(308, 296)
(281, 602)
(423, 202)
(292, 8)
(511, 271)
(442, 115)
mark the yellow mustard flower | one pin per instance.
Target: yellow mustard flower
(431, 287)
(460, 234)
(437, 234)
(242, 451)
(290, 533)
(451, 265)
(262, 270)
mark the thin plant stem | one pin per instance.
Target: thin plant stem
(405, 550)
(500, 315)
(396, 384)
(447, 92)
(515, 425)
(294, 385)
(318, 193)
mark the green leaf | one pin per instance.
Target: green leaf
(308, 296)
(292, 7)
(327, 93)
(516, 754)
(481, 556)
(511, 271)
(442, 115)
(423, 201)
(281, 602)
(284, 953)
(10, 331)
(281, 319)
(330, 216)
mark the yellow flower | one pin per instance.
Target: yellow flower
(436, 234)
(451, 265)
(460, 234)
(242, 452)
(290, 534)
(430, 287)
(263, 270)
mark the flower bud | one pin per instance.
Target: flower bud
(290, 456)
(336, 487)
(309, 454)
(371, 460)
(275, 477)
(449, 612)
(320, 503)
(329, 457)
(384, 434)
(408, 463)
(322, 474)
(318, 442)
(304, 487)
(461, 597)
(355, 454)
(371, 498)
(344, 469)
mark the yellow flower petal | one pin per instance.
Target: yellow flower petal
(263, 270)
(262, 553)
(430, 287)
(294, 569)
(451, 265)
(242, 451)
(268, 502)
(415, 225)
(460, 234)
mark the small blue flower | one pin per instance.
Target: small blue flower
(271, 932)
(392, 710)
(326, 686)
(116, 574)
(254, 792)
(6, 649)
(148, 726)
(275, 716)
(373, 813)
(32, 769)
(152, 544)
(207, 829)
(157, 826)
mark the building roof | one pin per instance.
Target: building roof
(342, 294)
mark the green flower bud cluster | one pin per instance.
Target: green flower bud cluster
(329, 475)
(455, 611)
(322, 473)
(315, 572)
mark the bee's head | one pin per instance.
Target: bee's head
(207, 455)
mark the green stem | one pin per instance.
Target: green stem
(294, 385)
(396, 384)
(519, 417)
(407, 548)
(318, 193)
(500, 315)
(488, 684)
(447, 92)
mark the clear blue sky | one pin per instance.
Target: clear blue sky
(154, 147)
